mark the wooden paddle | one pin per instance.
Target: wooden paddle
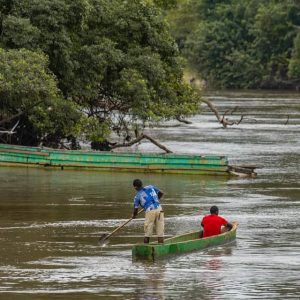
(106, 236)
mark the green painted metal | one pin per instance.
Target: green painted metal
(139, 162)
(181, 244)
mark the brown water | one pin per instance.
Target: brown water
(50, 221)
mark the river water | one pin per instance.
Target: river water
(50, 220)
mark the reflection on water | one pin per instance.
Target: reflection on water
(50, 221)
(152, 285)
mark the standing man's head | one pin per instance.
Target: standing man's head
(137, 184)
(214, 210)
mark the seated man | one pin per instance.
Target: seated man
(213, 223)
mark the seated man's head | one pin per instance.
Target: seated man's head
(214, 210)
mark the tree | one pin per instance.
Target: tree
(239, 44)
(183, 19)
(220, 48)
(28, 91)
(116, 62)
(274, 35)
(166, 4)
(294, 65)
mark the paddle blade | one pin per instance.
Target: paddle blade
(103, 238)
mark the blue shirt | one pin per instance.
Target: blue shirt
(147, 198)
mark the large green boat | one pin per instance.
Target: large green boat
(12, 155)
(181, 244)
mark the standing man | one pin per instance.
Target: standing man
(212, 223)
(148, 198)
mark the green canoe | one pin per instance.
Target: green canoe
(11, 155)
(181, 244)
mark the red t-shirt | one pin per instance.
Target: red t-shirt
(212, 225)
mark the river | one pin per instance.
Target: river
(50, 220)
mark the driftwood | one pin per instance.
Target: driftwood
(287, 121)
(138, 139)
(223, 120)
(243, 170)
(180, 119)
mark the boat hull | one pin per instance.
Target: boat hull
(181, 244)
(93, 160)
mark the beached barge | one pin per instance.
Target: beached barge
(181, 244)
(11, 155)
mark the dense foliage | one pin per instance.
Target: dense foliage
(29, 92)
(240, 44)
(73, 68)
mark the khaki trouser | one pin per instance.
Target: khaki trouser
(154, 217)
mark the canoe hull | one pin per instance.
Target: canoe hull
(181, 244)
(129, 162)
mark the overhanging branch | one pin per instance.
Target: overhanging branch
(138, 139)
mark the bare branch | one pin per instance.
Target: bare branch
(157, 143)
(223, 120)
(213, 109)
(138, 139)
(287, 121)
(241, 119)
(12, 131)
(180, 119)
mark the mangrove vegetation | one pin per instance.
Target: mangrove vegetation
(84, 69)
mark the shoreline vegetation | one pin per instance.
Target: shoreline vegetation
(250, 44)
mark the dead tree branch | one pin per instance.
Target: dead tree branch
(180, 119)
(223, 120)
(287, 121)
(138, 139)
(12, 131)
